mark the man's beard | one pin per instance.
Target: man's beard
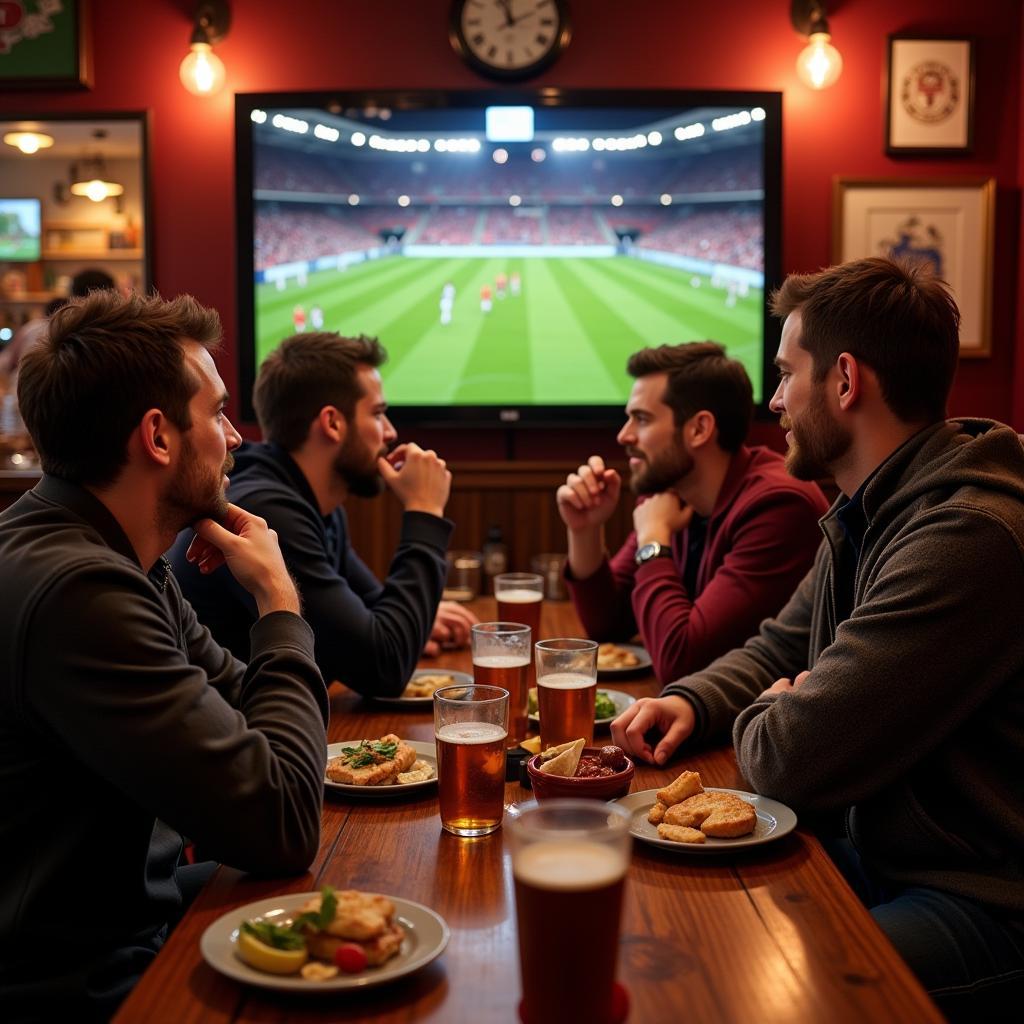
(195, 494)
(818, 441)
(357, 467)
(663, 471)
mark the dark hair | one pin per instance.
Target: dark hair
(90, 280)
(701, 376)
(897, 316)
(104, 361)
(305, 373)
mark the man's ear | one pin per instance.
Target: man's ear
(331, 422)
(849, 383)
(157, 437)
(700, 429)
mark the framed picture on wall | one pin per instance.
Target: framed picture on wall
(930, 97)
(949, 224)
(44, 44)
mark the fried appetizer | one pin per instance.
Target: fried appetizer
(566, 762)
(721, 815)
(372, 763)
(425, 685)
(657, 814)
(680, 834)
(357, 915)
(688, 784)
(614, 656)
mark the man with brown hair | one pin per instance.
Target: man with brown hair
(722, 534)
(321, 408)
(890, 689)
(109, 683)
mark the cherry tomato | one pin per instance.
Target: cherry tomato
(350, 958)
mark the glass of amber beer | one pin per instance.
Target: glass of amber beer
(501, 657)
(520, 597)
(470, 729)
(566, 690)
(569, 861)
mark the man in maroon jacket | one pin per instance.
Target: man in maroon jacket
(722, 533)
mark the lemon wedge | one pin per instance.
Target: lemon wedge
(268, 959)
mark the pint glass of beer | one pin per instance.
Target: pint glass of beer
(569, 861)
(501, 657)
(520, 598)
(566, 690)
(470, 729)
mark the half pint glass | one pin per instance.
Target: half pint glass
(470, 729)
(566, 690)
(501, 657)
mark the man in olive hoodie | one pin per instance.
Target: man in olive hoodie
(889, 692)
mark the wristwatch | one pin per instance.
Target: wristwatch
(652, 550)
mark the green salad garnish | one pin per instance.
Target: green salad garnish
(291, 936)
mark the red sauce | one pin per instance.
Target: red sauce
(590, 767)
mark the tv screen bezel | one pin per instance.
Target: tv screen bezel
(501, 416)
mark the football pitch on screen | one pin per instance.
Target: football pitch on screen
(562, 338)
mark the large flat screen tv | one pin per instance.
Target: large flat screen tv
(19, 230)
(510, 250)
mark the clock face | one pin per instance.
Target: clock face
(510, 38)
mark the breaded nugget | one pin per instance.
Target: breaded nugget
(656, 814)
(679, 834)
(685, 786)
(731, 822)
(722, 815)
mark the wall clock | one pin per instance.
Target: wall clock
(509, 39)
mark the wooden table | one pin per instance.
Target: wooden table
(772, 934)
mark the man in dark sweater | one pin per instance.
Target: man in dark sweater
(321, 408)
(723, 535)
(123, 726)
(889, 692)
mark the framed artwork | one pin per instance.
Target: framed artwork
(930, 97)
(44, 44)
(950, 224)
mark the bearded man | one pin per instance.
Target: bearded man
(722, 534)
(109, 681)
(321, 407)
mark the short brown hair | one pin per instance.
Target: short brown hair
(896, 315)
(104, 361)
(702, 376)
(305, 373)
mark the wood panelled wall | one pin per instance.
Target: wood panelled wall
(517, 496)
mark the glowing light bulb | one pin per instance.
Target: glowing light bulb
(819, 63)
(29, 142)
(202, 71)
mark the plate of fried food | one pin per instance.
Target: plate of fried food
(685, 817)
(381, 767)
(324, 941)
(621, 659)
(420, 688)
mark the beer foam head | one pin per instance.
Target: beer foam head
(519, 596)
(502, 660)
(569, 865)
(566, 681)
(470, 732)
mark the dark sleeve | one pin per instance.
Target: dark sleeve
(932, 640)
(602, 600)
(370, 643)
(773, 543)
(243, 779)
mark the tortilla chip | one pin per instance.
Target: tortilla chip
(564, 764)
(551, 752)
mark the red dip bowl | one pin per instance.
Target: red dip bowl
(605, 787)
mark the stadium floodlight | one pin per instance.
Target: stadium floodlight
(666, 199)
(599, 145)
(757, 114)
(358, 139)
(570, 145)
(325, 132)
(258, 116)
(616, 200)
(290, 124)
(654, 138)
(508, 124)
(730, 121)
(422, 145)
(500, 156)
(404, 200)
(353, 200)
(514, 200)
(690, 131)
(538, 155)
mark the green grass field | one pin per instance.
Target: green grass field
(563, 340)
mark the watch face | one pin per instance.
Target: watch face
(509, 38)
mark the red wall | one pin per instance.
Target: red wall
(749, 44)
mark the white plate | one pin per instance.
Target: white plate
(458, 679)
(774, 820)
(426, 936)
(642, 655)
(424, 752)
(619, 699)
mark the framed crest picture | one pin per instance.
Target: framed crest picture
(44, 44)
(948, 224)
(930, 104)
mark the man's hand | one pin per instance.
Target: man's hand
(419, 479)
(250, 550)
(660, 516)
(787, 685)
(671, 716)
(451, 628)
(589, 496)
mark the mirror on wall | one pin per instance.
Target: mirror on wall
(73, 216)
